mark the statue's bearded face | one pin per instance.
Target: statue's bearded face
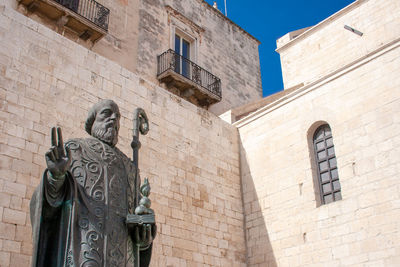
(106, 125)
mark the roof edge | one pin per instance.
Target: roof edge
(298, 92)
(219, 13)
(321, 24)
(246, 109)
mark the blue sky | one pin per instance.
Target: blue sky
(269, 20)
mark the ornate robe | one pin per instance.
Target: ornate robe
(80, 221)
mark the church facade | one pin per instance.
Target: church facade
(305, 177)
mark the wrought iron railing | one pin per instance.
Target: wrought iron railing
(90, 10)
(170, 60)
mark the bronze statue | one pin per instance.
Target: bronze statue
(82, 211)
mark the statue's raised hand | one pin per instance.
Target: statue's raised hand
(58, 158)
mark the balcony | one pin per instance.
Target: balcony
(86, 18)
(193, 82)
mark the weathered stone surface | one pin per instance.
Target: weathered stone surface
(329, 47)
(235, 62)
(140, 30)
(173, 154)
(285, 226)
(192, 158)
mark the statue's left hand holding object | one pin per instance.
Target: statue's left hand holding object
(143, 235)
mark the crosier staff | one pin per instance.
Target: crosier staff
(143, 215)
(140, 124)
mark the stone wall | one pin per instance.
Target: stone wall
(285, 226)
(328, 46)
(120, 44)
(140, 30)
(223, 48)
(190, 155)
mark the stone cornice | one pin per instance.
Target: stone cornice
(175, 13)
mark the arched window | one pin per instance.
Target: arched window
(328, 177)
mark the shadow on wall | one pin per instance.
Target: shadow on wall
(258, 246)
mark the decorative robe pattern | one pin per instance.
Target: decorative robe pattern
(80, 221)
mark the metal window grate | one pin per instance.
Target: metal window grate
(325, 157)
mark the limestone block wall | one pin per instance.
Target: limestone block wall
(190, 156)
(140, 30)
(284, 224)
(223, 48)
(120, 44)
(328, 46)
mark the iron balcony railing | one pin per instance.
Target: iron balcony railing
(90, 10)
(170, 60)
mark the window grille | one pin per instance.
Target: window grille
(328, 177)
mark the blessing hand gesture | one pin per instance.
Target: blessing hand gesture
(58, 158)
